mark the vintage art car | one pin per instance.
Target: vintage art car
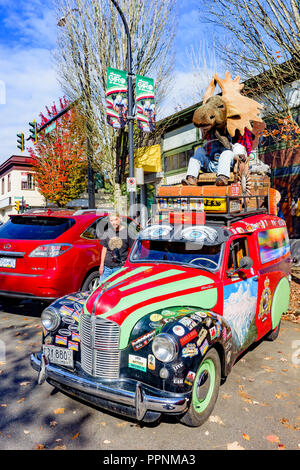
(158, 336)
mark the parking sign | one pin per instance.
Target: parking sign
(131, 185)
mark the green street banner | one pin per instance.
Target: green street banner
(116, 98)
(145, 103)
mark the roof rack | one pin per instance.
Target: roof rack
(218, 209)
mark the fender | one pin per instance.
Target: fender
(194, 331)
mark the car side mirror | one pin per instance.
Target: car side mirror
(245, 263)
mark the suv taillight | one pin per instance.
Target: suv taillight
(50, 251)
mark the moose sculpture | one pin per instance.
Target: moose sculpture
(228, 123)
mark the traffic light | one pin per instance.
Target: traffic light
(20, 141)
(33, 131)
(17, 206)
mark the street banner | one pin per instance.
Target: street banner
(145, 105)
(116, 98)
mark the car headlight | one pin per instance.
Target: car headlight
(164, 347)
(50, 318)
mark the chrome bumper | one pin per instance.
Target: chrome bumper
(126, 392)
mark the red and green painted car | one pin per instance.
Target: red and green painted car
(158, 336)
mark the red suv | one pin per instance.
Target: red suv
(47, 254)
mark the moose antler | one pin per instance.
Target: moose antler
(209, 91)
(240, 109)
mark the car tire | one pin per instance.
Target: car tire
(273, 333)
(205, 390)
(91, 282)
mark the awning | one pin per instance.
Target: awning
(148, 158)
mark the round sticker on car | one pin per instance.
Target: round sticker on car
(178, 330)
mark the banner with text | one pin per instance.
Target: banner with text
(116, 98)
(145, 105)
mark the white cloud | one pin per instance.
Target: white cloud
(31, 84)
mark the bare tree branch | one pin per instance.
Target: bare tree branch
(92, 39)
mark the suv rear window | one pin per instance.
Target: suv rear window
(35, 228)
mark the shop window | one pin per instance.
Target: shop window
(178, 161)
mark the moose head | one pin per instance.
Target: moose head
(230, 112)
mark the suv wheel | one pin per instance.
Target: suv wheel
(91, 282)
(205, 390)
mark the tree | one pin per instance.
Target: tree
(262, 43)
(60, 156)
(93, 38)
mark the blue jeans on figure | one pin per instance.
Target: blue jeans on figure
(108, 271)
(219, 163)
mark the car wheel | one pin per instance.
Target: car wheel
(273, 333)
(91, 282)
(205, 390)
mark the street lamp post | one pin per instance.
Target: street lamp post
(130, 107)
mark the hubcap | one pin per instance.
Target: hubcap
(93, 284)
(204, 386)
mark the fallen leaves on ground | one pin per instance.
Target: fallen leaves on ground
(293, 313)
(215, 419)
(245, 396)
(39, 447)
(23, 384)
(287, 424)
(234, 446)
(273, 438)
(281, 395)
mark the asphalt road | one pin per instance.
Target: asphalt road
(258, 405)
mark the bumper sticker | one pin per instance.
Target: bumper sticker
(137, 362)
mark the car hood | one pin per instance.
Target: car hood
(133, 292)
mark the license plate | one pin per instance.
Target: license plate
(60, 356)
(7, 262)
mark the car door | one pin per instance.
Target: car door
(240, 292)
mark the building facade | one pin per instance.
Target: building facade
(17, 185)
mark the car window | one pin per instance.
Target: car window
(238, 249)
(35, 228)
(90, 233)
(195, 254)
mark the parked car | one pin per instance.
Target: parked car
(47, 254)
(157, 337)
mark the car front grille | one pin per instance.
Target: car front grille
(100, 340)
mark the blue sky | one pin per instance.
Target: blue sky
(28, 80)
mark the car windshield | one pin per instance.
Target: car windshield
(196, 254)
(35, 228)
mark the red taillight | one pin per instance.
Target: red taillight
(50, 251)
